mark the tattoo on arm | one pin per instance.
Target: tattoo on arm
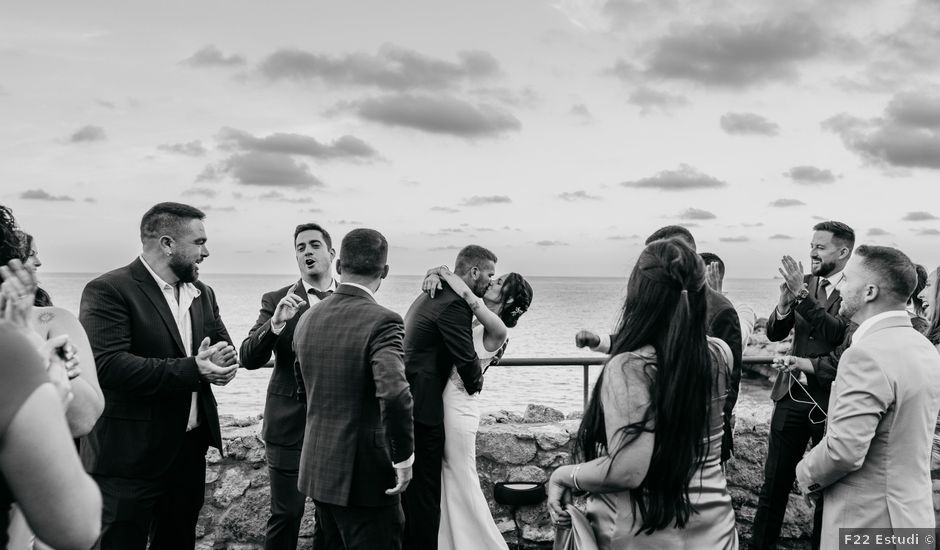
(46, 317)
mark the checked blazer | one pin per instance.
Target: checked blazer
(359, 407)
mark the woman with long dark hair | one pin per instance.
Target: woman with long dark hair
(650, 439)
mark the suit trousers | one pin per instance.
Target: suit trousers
(287, 502)
(790, 431)
(358, 527)
(164, 509)
(422, 499)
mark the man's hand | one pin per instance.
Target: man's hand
(287, 307)
(402, 479)
(208, 370)
(792, 273)
(225, 357)
(586, 339)
(713, 276)
(786, 299)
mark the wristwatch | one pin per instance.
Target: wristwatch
(802, 294)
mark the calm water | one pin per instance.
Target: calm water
(561, 307)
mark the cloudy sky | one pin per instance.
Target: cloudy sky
(558, 133)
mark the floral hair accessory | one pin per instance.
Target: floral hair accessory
(517, 312)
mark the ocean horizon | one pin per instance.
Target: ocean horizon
(561, 307)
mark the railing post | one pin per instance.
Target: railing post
(586, 372)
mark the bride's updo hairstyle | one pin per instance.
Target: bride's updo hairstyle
(664, 308)
(516, 297)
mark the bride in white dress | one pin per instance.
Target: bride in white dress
(466, 522)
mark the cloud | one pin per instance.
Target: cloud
(748, 124)
(191, 149)
(527, 97)
(296, 144)
(106, 104)
(684, 178)
(736, 56)
(650, 100)
(810, 175)
(580, 110)
(739, 239)
(551, 243)
(41, 195)
(444, 209)
(88, 134)
(571, 196)
(480, 201)
(906, 136)
(437, 115)
(280, 197)
(918, 217)
(784, 203)
(448, 247)
(201, 192)
(210, 56)
(696, 214)
(263, 169)
(780, 237)
(90, 200)
(877, 232)
(930, 231)
(391, 68)
(756, 224)
(209, 207)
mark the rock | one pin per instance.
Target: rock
(232, 485)
(212, 474)
(504, 445)
(551, 436)
(553, 459)
(528, 473)
(575, 415)
(540, 413)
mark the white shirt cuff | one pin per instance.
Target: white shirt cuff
(604, 345)
(407, 463)
(782, 317)
(277, 329)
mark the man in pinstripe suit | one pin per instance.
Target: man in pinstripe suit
(358, 443)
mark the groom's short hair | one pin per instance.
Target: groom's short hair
(472, 256)
(363, 252)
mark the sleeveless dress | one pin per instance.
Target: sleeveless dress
(466, 521)
(624, 399)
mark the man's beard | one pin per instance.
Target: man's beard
(850, 306)
(825, 269)
(479, 289)
(186, 272)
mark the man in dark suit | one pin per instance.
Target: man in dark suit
(285, 410)
(721, 321)
(150, 325)
(359, 446)
(809, 306)
(438, 338)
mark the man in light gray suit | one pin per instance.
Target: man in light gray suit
(873, 465)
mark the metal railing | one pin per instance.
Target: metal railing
(585, 364)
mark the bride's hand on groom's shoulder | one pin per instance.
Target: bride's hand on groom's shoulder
(431, 284)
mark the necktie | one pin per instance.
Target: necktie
(821, 296)
(320, 294)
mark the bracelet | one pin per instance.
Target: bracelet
(574, 478)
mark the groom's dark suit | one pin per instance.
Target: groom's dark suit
(284, 416)
(149, 468)
(437, 339)
(359, 418)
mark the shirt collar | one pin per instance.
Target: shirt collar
(871, 321)
(367, 289)
(167, 286)
(835, 280)
(308, 287)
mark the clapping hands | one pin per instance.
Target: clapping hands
(17, 293)
(216, 363)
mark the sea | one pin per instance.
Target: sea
(561, 307)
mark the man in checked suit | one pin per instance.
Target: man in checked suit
(150, 325)
(873, 465)
(358, 445)
(809, 305)
(285, 410)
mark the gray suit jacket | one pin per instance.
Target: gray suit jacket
(873, 465)
(359, 407)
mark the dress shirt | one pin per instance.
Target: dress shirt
(868, 323)
(184, 324)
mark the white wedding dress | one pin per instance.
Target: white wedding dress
(466, 522)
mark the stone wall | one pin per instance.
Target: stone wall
(509, 447)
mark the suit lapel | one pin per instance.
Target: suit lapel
(150, 289)
(197, 319)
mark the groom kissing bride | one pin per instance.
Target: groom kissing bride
(451, 335)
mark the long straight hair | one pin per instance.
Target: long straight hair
(665, 308)
(933, 315)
